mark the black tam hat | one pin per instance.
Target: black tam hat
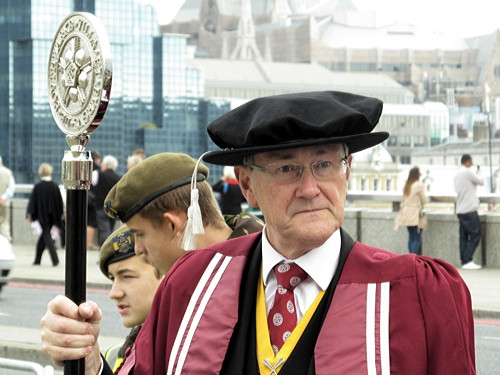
(295, 120)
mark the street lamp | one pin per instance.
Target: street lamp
(488, 122)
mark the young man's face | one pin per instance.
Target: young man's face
(134, 286)
(300, 214)
(158, 243)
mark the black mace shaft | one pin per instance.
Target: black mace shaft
(77, 177)
(76, 259)
(76, 240)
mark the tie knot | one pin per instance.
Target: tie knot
(289, 275)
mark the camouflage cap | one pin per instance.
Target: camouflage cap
(149, 179)
(117, 247)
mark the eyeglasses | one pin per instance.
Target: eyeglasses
(289, 172)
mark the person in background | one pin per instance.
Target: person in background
(132, 161)
(412, 213)
(102, 182)
(154, 207)
(230, 195)
(46, 206)
(91, 209)
(134, 283)
(7, 190)
(467, 203)
(139, 152)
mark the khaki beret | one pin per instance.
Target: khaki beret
(149, 179)
(295, 120)
(117, 247)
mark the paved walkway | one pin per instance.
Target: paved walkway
(484, 285)
(24, 343)
(46, 273)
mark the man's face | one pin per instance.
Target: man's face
(134, 286)
(302, 214)
(158, 243)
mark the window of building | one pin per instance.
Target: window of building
(405, 141)
(419, 141)
(388, 185)
(405, 160)
(363, 67)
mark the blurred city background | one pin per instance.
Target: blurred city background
(441, 91)
(178, 64)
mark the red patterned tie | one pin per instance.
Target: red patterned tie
(282, 317)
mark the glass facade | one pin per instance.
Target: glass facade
(209, 111)
(156, 100)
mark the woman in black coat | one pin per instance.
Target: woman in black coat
(46, 206)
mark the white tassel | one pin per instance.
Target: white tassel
(194, 223)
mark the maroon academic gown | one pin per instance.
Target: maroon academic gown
(390, 314)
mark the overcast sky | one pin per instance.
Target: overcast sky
(462, 17)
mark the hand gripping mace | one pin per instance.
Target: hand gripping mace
(79, 84)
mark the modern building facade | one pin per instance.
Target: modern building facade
(157, 102)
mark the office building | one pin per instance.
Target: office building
(155, 98)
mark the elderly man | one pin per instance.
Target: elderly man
(303, 297)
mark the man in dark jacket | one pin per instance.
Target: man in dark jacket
(46, 207)
(230, 195)
(102, 182)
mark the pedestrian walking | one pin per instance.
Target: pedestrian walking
(412, 214)
(45, 206)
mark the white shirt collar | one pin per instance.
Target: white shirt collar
(320, 263)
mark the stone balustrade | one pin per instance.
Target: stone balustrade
(369, 218)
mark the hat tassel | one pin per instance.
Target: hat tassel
(194, 224)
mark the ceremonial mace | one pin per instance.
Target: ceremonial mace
(79, 84)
